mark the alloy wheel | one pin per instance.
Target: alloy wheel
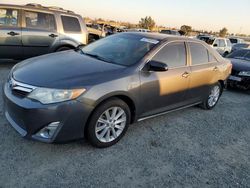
(110, 124)
(214, 96)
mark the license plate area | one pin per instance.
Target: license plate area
(235, 78)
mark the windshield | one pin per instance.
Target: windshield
(240, 54)
(121, 49)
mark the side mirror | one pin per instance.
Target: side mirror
(157, 66)
(215, 45)
(79, 47)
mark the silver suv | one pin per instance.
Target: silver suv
(221, 45)
(32, 30)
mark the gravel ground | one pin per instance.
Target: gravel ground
(188, 148)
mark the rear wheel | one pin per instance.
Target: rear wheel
(109, 123)
(213, 97)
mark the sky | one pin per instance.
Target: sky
(200, 14)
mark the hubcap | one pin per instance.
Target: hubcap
(110, 124)
(214, 96)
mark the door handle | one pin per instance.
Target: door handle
(53, 35)
(12, 33)
(185, 74)
(215, 68)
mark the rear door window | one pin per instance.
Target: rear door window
(199, 54)
(39, 20)
(173, 54)
(8, 17)
(71, 24)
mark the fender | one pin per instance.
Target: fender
(64, 42)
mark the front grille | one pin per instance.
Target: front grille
(20, 93)
(20, 89)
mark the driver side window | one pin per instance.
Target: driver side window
(173, 55)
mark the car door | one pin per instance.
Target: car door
(204, 68)
(39, 33)
(163, 91)
(228, 48)
(216, 46)
(222, 46)
(10, 33)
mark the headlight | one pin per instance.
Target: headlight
(49, 96)
(244, 73)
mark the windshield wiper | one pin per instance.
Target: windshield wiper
(98, 57)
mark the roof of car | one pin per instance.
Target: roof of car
(162, 37)
(40, 7)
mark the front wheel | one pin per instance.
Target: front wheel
(213, 97)
(109, 123)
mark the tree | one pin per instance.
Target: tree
(185, 29)
(100, 20)
(223, 32)
(147, 23)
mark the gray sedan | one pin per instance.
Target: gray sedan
(97, 91)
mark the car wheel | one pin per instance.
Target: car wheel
(213, 97)
(64, 48)
(109, 123)
(225, 54)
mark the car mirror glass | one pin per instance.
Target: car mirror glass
(156, 66)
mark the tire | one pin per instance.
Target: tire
(209, 103)
(100, 129)
(64, 48)
(225, 54)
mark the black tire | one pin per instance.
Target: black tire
(64, 48)
(205, 104)
(225, 54)
(91, 127)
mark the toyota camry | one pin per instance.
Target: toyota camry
(97, 91)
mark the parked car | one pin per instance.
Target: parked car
(236, 40)
(170, 32)
(205, 38)
(32, 30)
(240, 46)
(95, 31)
(240, 76)
(97, 91)
(221, 45)
(138, 30)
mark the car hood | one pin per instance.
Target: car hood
(67, 69)
(240, 65)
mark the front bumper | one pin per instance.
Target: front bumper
(239, 81)
(28, 117)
